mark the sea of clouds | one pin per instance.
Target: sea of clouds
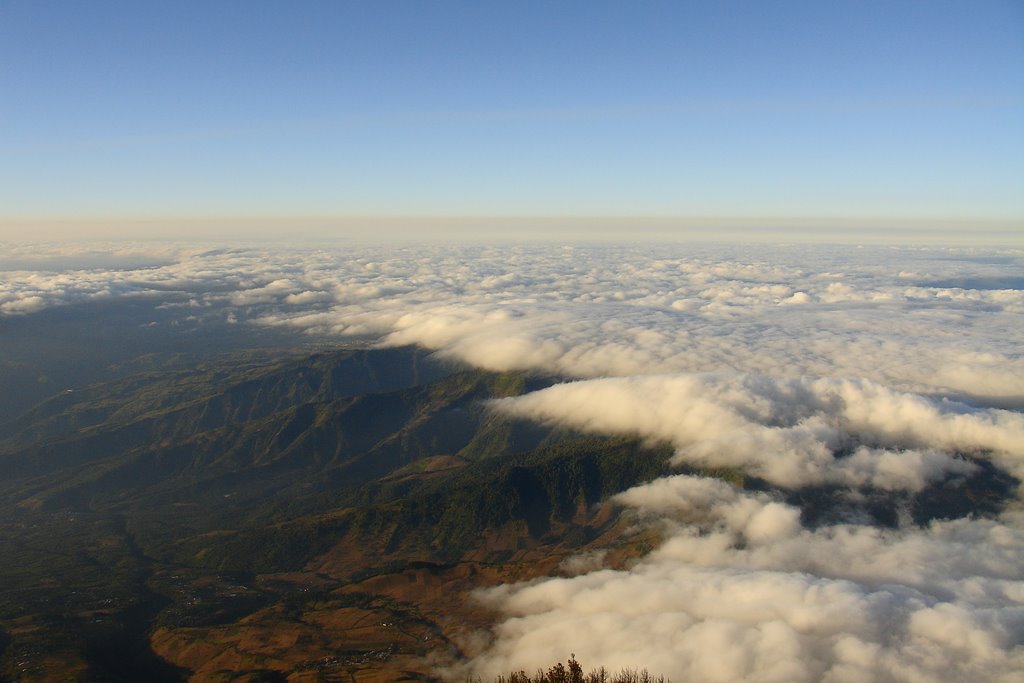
(865, 369)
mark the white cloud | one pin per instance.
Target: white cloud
(306, 297)
(853, 367)
(29, 303)
(788, 431)
(740, 592)
(600, 311)
(607, 311)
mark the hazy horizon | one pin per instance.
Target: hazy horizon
(319, 231)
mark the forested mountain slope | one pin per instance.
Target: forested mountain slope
(195, 512)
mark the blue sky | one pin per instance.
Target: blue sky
(845, 110)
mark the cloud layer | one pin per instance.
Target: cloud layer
(791, 432)
(927, 320)
(740, 592)
(878, 370)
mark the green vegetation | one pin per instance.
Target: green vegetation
(157, 499)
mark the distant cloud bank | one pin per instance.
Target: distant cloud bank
(866, 370)
(918, 319)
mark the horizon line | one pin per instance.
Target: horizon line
(521, 227)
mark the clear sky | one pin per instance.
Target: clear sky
(882, 111)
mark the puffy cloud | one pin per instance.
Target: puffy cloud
(29, 303)
(757, 517)
(740, 592)
(606, 311)
(307, 297)
(885, 314)
(274, 291)
(55, 275)
(788, 431)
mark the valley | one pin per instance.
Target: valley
(312, 516)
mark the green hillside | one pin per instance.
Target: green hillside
(164, 499)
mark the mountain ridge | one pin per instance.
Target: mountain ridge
(172, 493)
